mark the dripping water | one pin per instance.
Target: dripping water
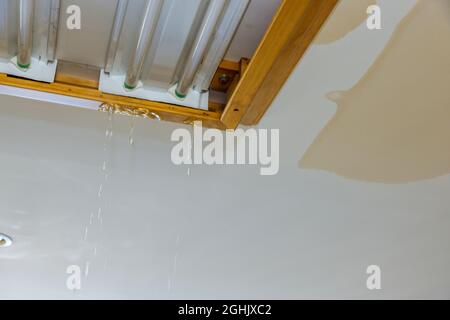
(103, 186)
(85, 233)
(86, 268)
(132, 128)
(100, 193)
(99, 214)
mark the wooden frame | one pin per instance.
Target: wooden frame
(167, 112)
(292, 30)
(250, 86)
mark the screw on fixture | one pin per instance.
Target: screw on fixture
(224, 79)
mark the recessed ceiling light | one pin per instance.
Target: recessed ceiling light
(5, 241)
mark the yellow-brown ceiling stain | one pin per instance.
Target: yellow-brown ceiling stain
(394, 125)
(347, 16)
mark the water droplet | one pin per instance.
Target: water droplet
(110, 112)
(86, 270)
(131, 135)
(155, 116)
(175, 264)
(169, 283)
(100, 191)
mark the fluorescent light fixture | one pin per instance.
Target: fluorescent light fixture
(148, 26)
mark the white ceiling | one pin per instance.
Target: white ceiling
(221, 232)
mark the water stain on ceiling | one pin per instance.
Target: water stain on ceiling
(394, 125)
(347, 16)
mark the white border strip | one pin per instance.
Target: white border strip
(49, 97)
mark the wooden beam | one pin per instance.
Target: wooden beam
(291, 32)
(243, 64)
(166, 112)
(77, 74)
